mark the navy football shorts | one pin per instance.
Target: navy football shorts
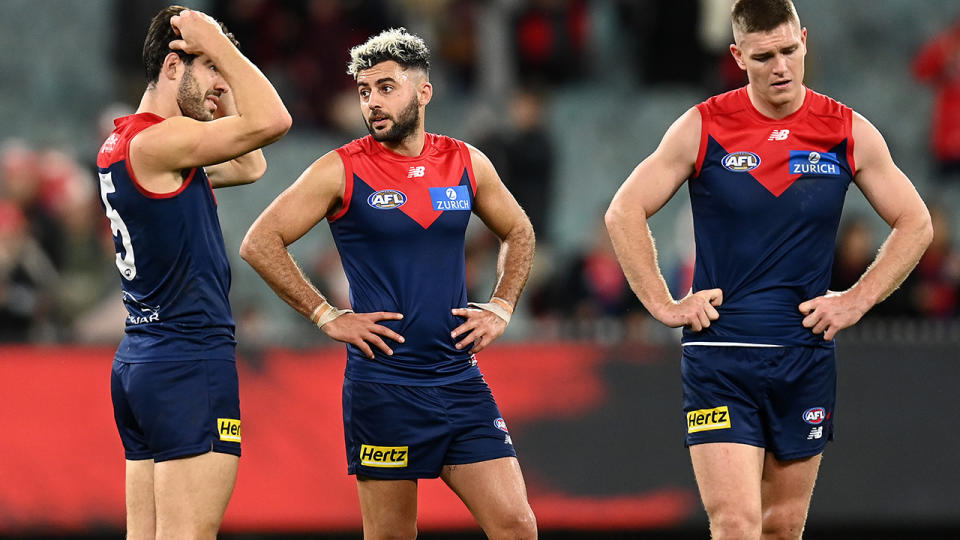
(779, 398)
(169, 410)
(408, 432)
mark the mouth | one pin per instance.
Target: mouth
(214, 100)
(379, 122)
(781, 84)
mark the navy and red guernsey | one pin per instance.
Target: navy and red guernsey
(400, 234)
(767, 197)
(173, 266)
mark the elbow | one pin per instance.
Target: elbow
(925, 237)
(612, 217)
(249, 248)
(280, 125)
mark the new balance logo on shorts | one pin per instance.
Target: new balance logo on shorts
(707, 419)
(383, 456)
(229, 429)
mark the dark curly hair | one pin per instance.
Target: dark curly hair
(156, 46)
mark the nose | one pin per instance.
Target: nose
(780, 64)
(220, 84)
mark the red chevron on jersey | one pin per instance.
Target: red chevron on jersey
(760, 148)
(441, 164)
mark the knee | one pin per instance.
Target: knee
(783, 524)
(733, 524)
(519, 525)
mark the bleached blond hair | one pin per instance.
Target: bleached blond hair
(394, 44)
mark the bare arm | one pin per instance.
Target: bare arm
(495, 205)
(181, 142)
(317, 193)
(896, 201)
(651, 184)
(243, 169)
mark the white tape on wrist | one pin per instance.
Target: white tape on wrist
(498, 306)
(325, 313)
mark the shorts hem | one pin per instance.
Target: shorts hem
(399, 475)
(758, 444)
(492, 457)
(799, 455)
(183, 452)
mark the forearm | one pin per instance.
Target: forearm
(514, 262)
(635, 248)
(257, 102)
(897, 257)
(267, 254)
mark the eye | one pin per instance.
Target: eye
(387, 88)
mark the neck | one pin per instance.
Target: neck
(156, 101)
(412, 146)
(776, 111)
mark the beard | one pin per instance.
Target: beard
(403, 125)
(191, 100)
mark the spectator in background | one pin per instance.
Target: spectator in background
(938, 64)
(523, 152)
(550, 37)
(935, 285)
(27, 279)
(21, 184)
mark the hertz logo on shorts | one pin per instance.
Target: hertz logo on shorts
(229, 429)
(383, 456)
(707, 419)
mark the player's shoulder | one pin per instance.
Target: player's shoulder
(726, 103)
(363, 145)
(115, 147)
(824, 105)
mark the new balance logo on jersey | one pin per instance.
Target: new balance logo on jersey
(779, 135)
(416, 172)
(383, 456)
(815, 433)
(708, 419)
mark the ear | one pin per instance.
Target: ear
(171, 64)
(425, 93)
(737, 55)
(803, 38)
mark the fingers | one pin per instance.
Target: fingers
(178, 45)
(378, 342)
(385, 316)
(715, 296)
(806, 307)
(386, 332)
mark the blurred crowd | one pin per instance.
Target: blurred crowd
(57, 276)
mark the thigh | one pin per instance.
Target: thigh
(728, 476)
(141, 507)
(192, 494)
(493, 491)
(722, 394)
(392, 431)
(801, 405)
(786, 489)
(132, 437)
(388, 507)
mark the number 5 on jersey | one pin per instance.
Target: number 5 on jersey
(126, 263)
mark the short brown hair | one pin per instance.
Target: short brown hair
(156, 46)
(762, 15)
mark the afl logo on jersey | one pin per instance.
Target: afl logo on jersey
(386, 199)
(741, 161)
(815, 415)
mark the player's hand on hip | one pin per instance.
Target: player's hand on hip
(195, 29)
(830, 313)
(695, 311)
(480, 328)
(362, 331)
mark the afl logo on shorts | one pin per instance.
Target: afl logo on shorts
(500, 424)
(740, 161)
(386, 199)
(815, 415)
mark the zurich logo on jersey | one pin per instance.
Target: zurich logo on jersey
(450, 198)
(740, 161)
(815, 163)
(385, 199)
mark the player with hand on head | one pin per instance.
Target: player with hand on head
(768, 167)
(204, 115)
(398, 202)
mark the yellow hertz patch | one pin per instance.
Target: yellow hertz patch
(383, 456)
(707, 419)
(229, 429)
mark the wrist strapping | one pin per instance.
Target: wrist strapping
(325, 313)
(498, 306)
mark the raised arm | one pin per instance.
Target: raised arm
(495, 205)
(316, 194)
(894, 198)
(243, 169)
(651, 184)
(181, 142)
